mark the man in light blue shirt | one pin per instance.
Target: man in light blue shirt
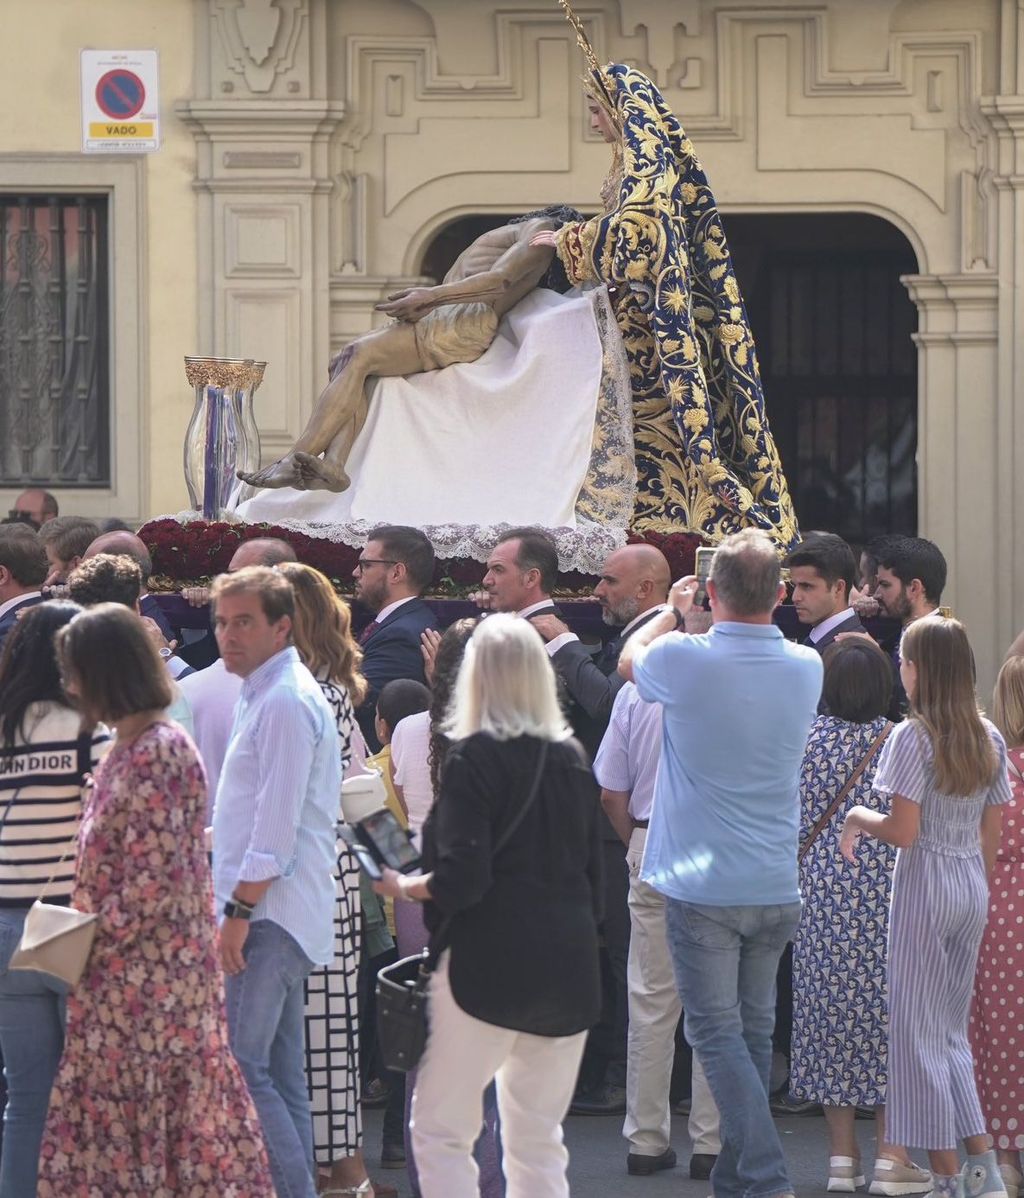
(738, 703)
(274, 858)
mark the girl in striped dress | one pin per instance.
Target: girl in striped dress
(945, 772)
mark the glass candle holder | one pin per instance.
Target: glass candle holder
(216, 442)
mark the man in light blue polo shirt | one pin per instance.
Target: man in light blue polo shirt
(738, 704)
(274, 826)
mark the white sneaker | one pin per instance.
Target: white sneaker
(893, 1179)
(983, 1177)
(845, 1175)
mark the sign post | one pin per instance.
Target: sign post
(120, 102)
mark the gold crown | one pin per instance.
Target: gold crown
(596, 74)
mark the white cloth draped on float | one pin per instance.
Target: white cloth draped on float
(538, 430)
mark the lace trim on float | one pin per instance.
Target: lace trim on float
(583, 549)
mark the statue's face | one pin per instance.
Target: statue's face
(601, 122)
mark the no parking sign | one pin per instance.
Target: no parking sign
(120, 108)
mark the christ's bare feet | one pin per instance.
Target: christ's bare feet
(283, 473)
(319, 475)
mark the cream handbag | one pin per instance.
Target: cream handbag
(56, 940)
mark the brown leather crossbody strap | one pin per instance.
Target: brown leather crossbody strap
(865, 761)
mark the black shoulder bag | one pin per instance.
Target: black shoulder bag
(402, 987)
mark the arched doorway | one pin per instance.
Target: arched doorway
(833, 325)
(834, 328)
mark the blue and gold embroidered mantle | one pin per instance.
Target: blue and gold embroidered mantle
(706, 459)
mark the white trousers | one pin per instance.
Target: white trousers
(534, 1077)
(654, 1009)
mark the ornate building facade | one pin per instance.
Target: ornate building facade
(314, 150)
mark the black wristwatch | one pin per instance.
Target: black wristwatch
(236, 909)
(679, 617)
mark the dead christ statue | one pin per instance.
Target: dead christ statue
(455, 321)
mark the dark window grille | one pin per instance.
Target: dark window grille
(54, 341)
(834, 328)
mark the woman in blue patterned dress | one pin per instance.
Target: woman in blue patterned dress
(839, 987)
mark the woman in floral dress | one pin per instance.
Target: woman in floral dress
(148, 1098)
(840, 1025)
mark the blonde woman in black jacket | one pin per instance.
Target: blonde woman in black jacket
(517, 981)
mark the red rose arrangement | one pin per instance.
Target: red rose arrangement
(187, 554)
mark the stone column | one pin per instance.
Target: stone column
(959, 504)
(1006, 114)
(263, 123)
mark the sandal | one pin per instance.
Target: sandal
(365, 1189)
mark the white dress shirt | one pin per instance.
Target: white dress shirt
(277, 806)
(819, 631)
(384, 612)
(627, 760)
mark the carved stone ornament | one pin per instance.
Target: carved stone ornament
(259, 37)
(258, 23)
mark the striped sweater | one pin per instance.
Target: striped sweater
(41, 801)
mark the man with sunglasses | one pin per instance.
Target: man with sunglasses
(392, 572)
(34, 506)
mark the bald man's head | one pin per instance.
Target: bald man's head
(634, 579)
(123, 544)
(261, 551)
(38, 505)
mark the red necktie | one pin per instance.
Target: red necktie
(368, 631)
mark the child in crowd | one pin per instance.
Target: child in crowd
(399, 698)
(945, 771)
(998, 1014)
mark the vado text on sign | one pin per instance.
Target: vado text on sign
(120, 104)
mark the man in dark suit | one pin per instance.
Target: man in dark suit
(632, 589)
(23, 567)
(633, 586)
(823, 572)
(393, 571)
(522, 569)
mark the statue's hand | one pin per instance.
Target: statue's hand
(546, 237)
(410, 305)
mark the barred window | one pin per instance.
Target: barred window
(834, 328)
(54, 341)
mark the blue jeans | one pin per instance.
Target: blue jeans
(725, 961)
(32, 1017)
(267, 1034)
